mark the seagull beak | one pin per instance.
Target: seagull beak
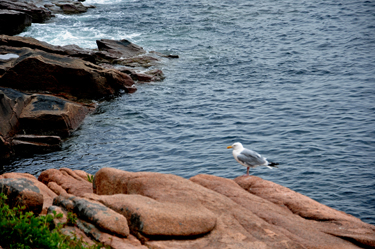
(229, 147)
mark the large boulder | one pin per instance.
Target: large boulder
(38, 14)
(48, 194)
(68, 180)
(22, 192)
(37, 70)
(236, 227)
(243, 219)
(37, 116)
(151, 218)
(50, 115)
(101, 216)
(13, 22)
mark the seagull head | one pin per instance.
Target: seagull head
(235, 146)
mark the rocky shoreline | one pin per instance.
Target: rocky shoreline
(46, 91)
(151, 210)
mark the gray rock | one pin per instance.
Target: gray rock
(22, 192)
(96, 213)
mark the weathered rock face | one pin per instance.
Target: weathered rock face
(122, 48)
(70, 7)
(49, 115)
(167, 211)
(36, 115)
(48, 194)
(68, 180)
(307, 218)
(12, 103)
(25, 145)
(153, 218)
(14, 42)
(37, 70)
(235, 228)
(96, 213)
(112, 52)
(16, 21)
(244, 220)
(109, 239)
(22, 192)
(38, 14)
(69, 72)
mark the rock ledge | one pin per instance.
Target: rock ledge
(159, 211)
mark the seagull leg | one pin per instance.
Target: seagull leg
(247, 172)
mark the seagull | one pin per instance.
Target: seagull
(249, 158)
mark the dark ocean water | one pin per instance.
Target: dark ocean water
(293, 80)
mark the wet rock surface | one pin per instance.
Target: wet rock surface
(49, 90)
(37, 70)
(38, 14)
(122, 48)
(16, 21)
(152, 210)
(35, 123)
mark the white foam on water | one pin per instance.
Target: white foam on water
(85, 37)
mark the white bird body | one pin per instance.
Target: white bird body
(249, 158)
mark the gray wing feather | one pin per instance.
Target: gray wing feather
(251, 158)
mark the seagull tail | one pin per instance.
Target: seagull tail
(272, 165)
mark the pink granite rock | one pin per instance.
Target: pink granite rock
(68, 180)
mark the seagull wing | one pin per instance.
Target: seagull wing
(251, 158)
